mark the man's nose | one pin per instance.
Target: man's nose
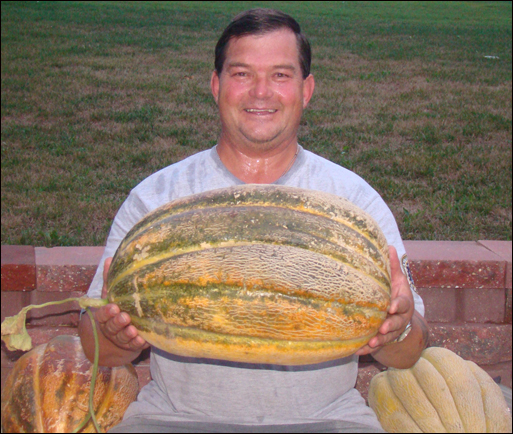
(261, 88)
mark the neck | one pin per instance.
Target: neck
(260, 167)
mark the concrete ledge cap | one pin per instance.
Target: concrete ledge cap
(17, 255)
(501, 248)
(484, 250)
(83, 255)
(450, 251)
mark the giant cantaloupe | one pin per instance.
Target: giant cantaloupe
(255, 273)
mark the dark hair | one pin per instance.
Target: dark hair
(257, 22)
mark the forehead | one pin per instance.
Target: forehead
(277, 46)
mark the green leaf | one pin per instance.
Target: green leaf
(14, 332)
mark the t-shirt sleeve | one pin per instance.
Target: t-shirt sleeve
(131, 211)
(380, 211)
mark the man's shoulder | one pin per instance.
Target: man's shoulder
(195, 174)
(317, 159)
(334, 175)
(174, 170)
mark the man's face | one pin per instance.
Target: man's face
(261, 93)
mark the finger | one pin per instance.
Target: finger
(366, 349)
(395, 265)
(107, 312)
(399, 306)
(115, 325)
(375, 343)
(130, 338)
(126, 335)
(138, 343)
(106, 266)
(396, 272)
(392, 327)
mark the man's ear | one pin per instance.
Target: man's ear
(308, 89)
(214, 85)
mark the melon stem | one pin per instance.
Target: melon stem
(14, 331)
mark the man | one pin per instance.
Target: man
(261, 83)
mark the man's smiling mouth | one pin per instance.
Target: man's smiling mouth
(260, 111)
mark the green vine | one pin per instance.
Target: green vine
(94, 374)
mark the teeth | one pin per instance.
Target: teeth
(260, 110)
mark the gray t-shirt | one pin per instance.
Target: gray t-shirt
(187, 389)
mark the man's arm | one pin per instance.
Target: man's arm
(404, 354)
(383, 346)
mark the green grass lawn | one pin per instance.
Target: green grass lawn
(413, 96)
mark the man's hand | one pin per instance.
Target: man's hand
(119, 341)
(115, 325)
(400, 312)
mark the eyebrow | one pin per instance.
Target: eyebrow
(245, 65)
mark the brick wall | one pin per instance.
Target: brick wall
(466, 287)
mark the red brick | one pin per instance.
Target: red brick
(482, 305)
(5, 372)
(458, 274)
(13, 302)
(504, 250)
(481, 343)
(464, 305)
(66, 268)
(42, 335)
(64, 278)
(18, 272)
(440, 304)
(366, 372)
(502, 370)
(451, 264)
(66, 314)
(508, 308)
(143, 375)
